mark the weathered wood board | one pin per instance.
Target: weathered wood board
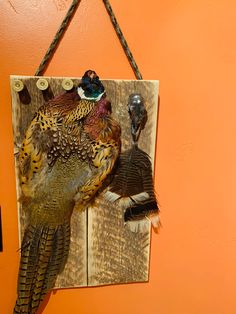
(103, 249)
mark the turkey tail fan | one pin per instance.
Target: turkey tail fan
(43, 256)
(132, 185)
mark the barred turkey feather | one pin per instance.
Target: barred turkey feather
(139, 211)
(133, 165)
(132, 185)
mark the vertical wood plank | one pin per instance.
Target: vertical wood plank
(117, 254)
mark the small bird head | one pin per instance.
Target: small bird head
(91, 87)
(138, 114)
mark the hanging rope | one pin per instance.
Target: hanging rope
(52, 48)
(122, 40)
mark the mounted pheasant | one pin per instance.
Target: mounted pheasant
(70, 147)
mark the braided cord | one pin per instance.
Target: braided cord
(52, 48)
(122, 40)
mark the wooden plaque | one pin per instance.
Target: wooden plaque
(103, 250)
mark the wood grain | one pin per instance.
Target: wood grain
(103, 249)
(116, 253)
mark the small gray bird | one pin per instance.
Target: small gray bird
(138, 115)
(132, 184)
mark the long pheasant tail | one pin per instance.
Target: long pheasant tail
(43, 256)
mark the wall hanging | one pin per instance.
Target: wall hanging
(84, 149)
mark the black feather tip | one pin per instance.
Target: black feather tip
(140, 211)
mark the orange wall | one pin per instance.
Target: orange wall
(190, 46)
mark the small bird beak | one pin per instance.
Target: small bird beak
(135, 131)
